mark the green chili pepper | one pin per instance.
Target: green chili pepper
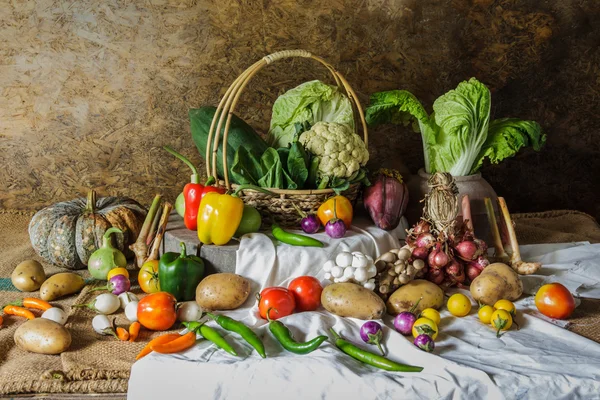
(211, 335)
(372, 359)
(246, 333)
(284, 336)
(293, 238)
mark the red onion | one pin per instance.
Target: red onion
(468, 250)
(425, 240)
(474, 268)
(453, 267)
(437, 258)
(420, 252)
(481, 245)
(436, 276)
(455, 270)
(472, 271)
(421, 227)
(481, 262)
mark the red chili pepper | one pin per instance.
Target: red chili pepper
(193, 192)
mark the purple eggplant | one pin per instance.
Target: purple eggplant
(116, 285)
(386, 199)
(335, 228)
(404, 322)
(372, 333)
(425, 342)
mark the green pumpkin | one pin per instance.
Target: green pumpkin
(67, 233)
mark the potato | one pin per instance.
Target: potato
(406, 296)
(60, 285)
(42, 336)
(352, 300)
(28, 276)
(497, 281)
(222, 291)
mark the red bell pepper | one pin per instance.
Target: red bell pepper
(193, 192)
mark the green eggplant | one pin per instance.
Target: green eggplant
(106, 257)
(180, 274)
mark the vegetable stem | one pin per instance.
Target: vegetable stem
(523, 268)
(466, 211)
(499, 251)
(194, 178)
(512, 236)
(140, 248)
(152, 231)
(253, 187)
(164, 219)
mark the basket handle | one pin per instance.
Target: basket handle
(230, 99)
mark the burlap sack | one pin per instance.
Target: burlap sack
(96, 364)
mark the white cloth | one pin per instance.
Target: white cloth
(539, 361)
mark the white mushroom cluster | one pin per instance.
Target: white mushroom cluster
(353, 267)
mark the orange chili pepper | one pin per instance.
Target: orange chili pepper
(31, 302)
(122, 334)
(39, 304)
(183, 342)
(18, 311)
(159, 340)
(134, 330)
(1, 320)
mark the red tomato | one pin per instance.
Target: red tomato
(555, 301)
(157, 311)
(307, 292)
(280, 300)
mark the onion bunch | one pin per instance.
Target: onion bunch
(452, 254)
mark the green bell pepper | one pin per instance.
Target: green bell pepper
(179, 274)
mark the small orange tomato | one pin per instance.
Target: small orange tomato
(157, 311)
(555, 301)
(343, 210)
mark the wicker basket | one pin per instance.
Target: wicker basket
(279, 203)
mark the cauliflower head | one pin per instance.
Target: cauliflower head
(341, 151)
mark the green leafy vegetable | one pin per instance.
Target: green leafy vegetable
(246, 167)
(458, 135)
(309, 102)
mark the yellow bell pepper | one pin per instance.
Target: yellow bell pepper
(219, 216)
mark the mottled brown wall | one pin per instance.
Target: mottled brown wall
(90, 90)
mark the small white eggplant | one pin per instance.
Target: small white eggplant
(126, 298)
(106, 303)
(131, 311)
(55, 314)
(189, 311)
